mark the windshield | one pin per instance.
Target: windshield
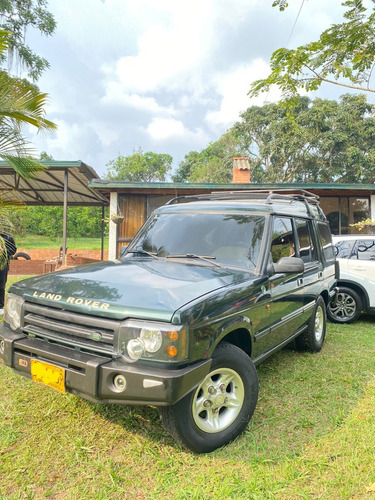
(227, 238)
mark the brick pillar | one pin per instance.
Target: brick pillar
(241, 170)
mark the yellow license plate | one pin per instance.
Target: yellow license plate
(48, 374)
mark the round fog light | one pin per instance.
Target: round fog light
(120, 382)
(2, 346)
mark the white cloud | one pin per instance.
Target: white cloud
(117, 95)
(162, 129)
(67, 143)
(233, 89)
(166, 74)
(106, 134)
(166, 54)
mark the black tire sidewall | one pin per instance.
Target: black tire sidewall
(307, 340)
(225, 356)
(316, 344)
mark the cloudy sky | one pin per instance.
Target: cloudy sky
(167, 76)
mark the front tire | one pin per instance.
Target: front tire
(220, 408)
(312, 339)
(346, 307)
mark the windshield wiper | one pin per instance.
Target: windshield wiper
(205, 258)
(154, 255)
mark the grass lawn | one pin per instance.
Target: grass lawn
(311, 437)
(44, 242)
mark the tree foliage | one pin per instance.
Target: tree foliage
(140, 166)
(20, 104)
(282, 4)
(48, 221)
(344, 55)
(16, 16)
(311, 141)
(299, 140)
(212, 164)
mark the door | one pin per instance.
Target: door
(287, 298)
(361, 266)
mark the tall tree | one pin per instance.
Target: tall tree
(16, 16)
(299, 140)
(310, 141)
(275, 140)
(344, 55)
(212, 164)
(140, 166)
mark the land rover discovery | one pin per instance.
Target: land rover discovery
(210, 286)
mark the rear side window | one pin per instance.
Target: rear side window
(364, 250)
(343, 249)
(307, 251)
(326, 241)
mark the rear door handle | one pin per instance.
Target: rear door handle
(299, 282)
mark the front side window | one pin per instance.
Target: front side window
(225, 238)
(283, 244)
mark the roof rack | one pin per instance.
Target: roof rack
(269, 195)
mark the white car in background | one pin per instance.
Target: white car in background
(356, 257)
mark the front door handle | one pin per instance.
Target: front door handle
(299, 282)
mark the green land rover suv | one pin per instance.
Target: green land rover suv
(210, 286)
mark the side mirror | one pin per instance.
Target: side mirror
(288, 265)
(123, 250)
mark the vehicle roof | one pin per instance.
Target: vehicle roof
(284, 207)
(344, 237)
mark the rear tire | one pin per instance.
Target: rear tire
(220, 408)
(346, 307)
(312, 339)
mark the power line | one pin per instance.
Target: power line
(295, 22)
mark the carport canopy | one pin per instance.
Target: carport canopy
(61, 183)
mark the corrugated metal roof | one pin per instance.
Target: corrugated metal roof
(48, 187)
(107, 185)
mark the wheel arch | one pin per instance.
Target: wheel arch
(357, 288)
(240, 337)
(325, 296)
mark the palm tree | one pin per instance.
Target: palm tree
(20, 104)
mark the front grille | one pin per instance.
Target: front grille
(70, 329)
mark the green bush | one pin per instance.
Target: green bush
(48, 221)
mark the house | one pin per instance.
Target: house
(343, 204)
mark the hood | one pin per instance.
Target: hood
(136, 288)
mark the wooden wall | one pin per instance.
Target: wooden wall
(134, 210)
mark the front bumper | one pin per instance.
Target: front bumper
(91, 376)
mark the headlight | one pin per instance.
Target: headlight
(156, 341)
(13, 311)
(152, 339)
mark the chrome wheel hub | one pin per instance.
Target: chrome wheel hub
(344, 307)
(218, 400)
